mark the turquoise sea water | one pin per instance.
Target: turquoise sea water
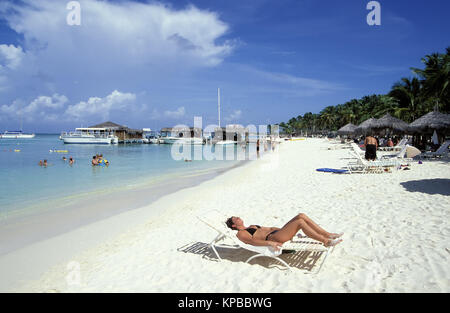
(24, 183)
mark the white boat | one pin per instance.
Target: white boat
(154, 140)
(226, 142)
(182, 140)
(99, 136)
(151, 136)
(16, 135)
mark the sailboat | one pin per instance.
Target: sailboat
(222, 142)
(16, 134)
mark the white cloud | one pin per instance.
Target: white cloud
(102, 107)
(120, 45)
(10, 59)
(55, 108)
(40, 106)
(54, 102)
(116, 33)
(179, 113)
(10, 56)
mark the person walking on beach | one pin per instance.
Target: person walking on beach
(257, 148)
(371, 145)
(275, 237)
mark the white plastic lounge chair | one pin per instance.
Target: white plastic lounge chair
(400, 155)
(216, 220)
(398, 146)
(441, 152)
(364, 166)
(357, 149)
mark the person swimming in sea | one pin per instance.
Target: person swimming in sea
(94, 161)
(101, 161)
(43, 163)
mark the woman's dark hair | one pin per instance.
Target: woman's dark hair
(230, 223)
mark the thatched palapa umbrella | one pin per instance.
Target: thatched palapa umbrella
(347, 129)
(391, 124)
(366, 126)
(430, 122)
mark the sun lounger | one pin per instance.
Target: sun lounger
(216, 220)
(364, 166)
(400, 155)
(439, 153)
(357, 149)
(398, 146)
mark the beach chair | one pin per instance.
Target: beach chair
(216, 221)
(357, 149)
(399, 146)
(364, 166)
(400, 155)
(441, 152)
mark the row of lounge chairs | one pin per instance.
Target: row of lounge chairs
(397, 147)
(383, 164)
(386, 162)
(441, 152)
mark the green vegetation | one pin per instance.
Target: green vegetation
(409, 99)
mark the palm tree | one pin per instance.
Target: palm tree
(328, 118)
(436, 78)
(408, 93)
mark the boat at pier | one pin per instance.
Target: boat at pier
(89, 136)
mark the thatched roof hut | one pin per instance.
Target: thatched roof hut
(430, 122)
(121, 131)
(366, 126)
(347, 129)
(391, 124)
(109, 125)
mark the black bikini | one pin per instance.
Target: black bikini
(251, 231)
(267, 237)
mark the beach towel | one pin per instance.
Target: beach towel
(331, 170)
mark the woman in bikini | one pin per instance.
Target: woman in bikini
(275, 237)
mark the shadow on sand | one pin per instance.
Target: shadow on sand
(436, 186)
(303, 260)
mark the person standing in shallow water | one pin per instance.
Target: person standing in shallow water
(371, 145)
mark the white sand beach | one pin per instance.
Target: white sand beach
(396, 229)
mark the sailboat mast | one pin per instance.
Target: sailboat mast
(218, 102)
(21, 120)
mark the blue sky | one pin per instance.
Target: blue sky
(156, 64)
